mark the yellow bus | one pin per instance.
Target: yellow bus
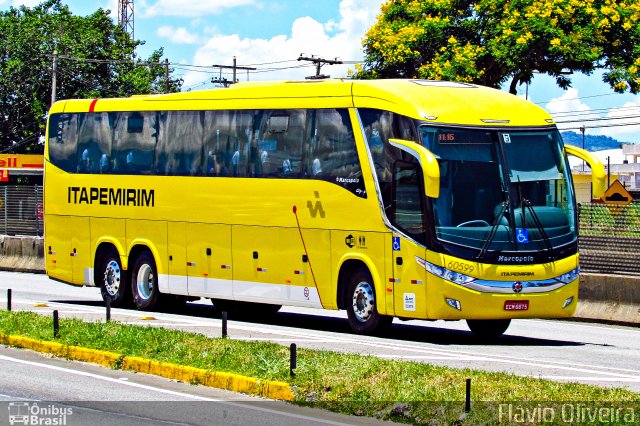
(389, 198)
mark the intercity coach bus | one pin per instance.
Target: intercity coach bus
(392, 198)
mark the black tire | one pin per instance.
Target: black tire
(488, 329)
(362, 311)
(144, 282)
(112, 280)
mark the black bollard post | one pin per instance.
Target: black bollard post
(467, 403)
(224, 324)
(9, 300)
(56, 324)
(292, 359)
(108, 303)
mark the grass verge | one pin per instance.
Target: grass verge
(410, 392)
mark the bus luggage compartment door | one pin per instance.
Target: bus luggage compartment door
(209, 260)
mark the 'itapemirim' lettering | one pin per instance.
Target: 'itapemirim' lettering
(111, 196)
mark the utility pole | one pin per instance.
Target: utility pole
(234, 67)
(319, 62)
(54, 69)
(166, 75)
(582, 129)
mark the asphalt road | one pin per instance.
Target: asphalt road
(599, 354)
(57, 391)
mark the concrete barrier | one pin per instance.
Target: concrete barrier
(611, 298)
(22, 254)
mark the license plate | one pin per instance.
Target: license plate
(516, 305)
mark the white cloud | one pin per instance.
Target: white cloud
(328, 40)
(625, 122)
(571, 113)
(177, 35)
(190, 8)
(18, 3)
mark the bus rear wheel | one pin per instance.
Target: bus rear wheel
(362, 311)
(144, 282)
(112, 279)
(488, 329)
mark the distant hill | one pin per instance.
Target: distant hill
(591, 143)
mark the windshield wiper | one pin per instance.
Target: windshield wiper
(543, 233)
(492, 232)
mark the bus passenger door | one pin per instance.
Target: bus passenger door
(409, 284)
(177, 250)
(209, 260)
(407, 214)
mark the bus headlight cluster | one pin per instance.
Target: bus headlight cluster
(446, 274)
(569, 276)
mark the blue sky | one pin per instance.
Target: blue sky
(271, 34)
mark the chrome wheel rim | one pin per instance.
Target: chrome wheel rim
(112, 278)
(145, 281)
(363, 301)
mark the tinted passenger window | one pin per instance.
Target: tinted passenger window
(135, 136)
(301, 144)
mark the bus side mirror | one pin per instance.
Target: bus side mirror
(428, 163)
(598, 174)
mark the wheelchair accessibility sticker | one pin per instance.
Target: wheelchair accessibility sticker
(522, 235)
(396, 243)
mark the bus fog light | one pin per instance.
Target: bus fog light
(454, 303)
(567, 302)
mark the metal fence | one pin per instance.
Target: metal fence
(21, 210)
(610, 238)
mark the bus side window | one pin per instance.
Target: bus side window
(134, 141)
(179, 143)
(63, 139)
(217, 143)
(94, 143)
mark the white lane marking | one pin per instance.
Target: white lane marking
(168, 392)
(429, 357)
(269, 339)
(593, 379)
(554, 365)
(618, 329)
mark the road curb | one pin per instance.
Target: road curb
(216, 379)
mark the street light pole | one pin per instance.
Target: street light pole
(582, 129)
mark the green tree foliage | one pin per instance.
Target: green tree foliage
(95, 59)
(493, 42)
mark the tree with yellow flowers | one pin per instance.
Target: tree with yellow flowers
(493, 42)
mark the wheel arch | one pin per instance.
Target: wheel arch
(139, 246)
(102, 247)
(348, 265)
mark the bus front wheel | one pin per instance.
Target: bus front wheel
(111, 279)
(362, 311)
(144, 282)
(488, 329)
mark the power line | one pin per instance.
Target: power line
(626, 117)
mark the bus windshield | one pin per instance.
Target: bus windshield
(501, 191)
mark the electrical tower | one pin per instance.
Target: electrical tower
(125, 17)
